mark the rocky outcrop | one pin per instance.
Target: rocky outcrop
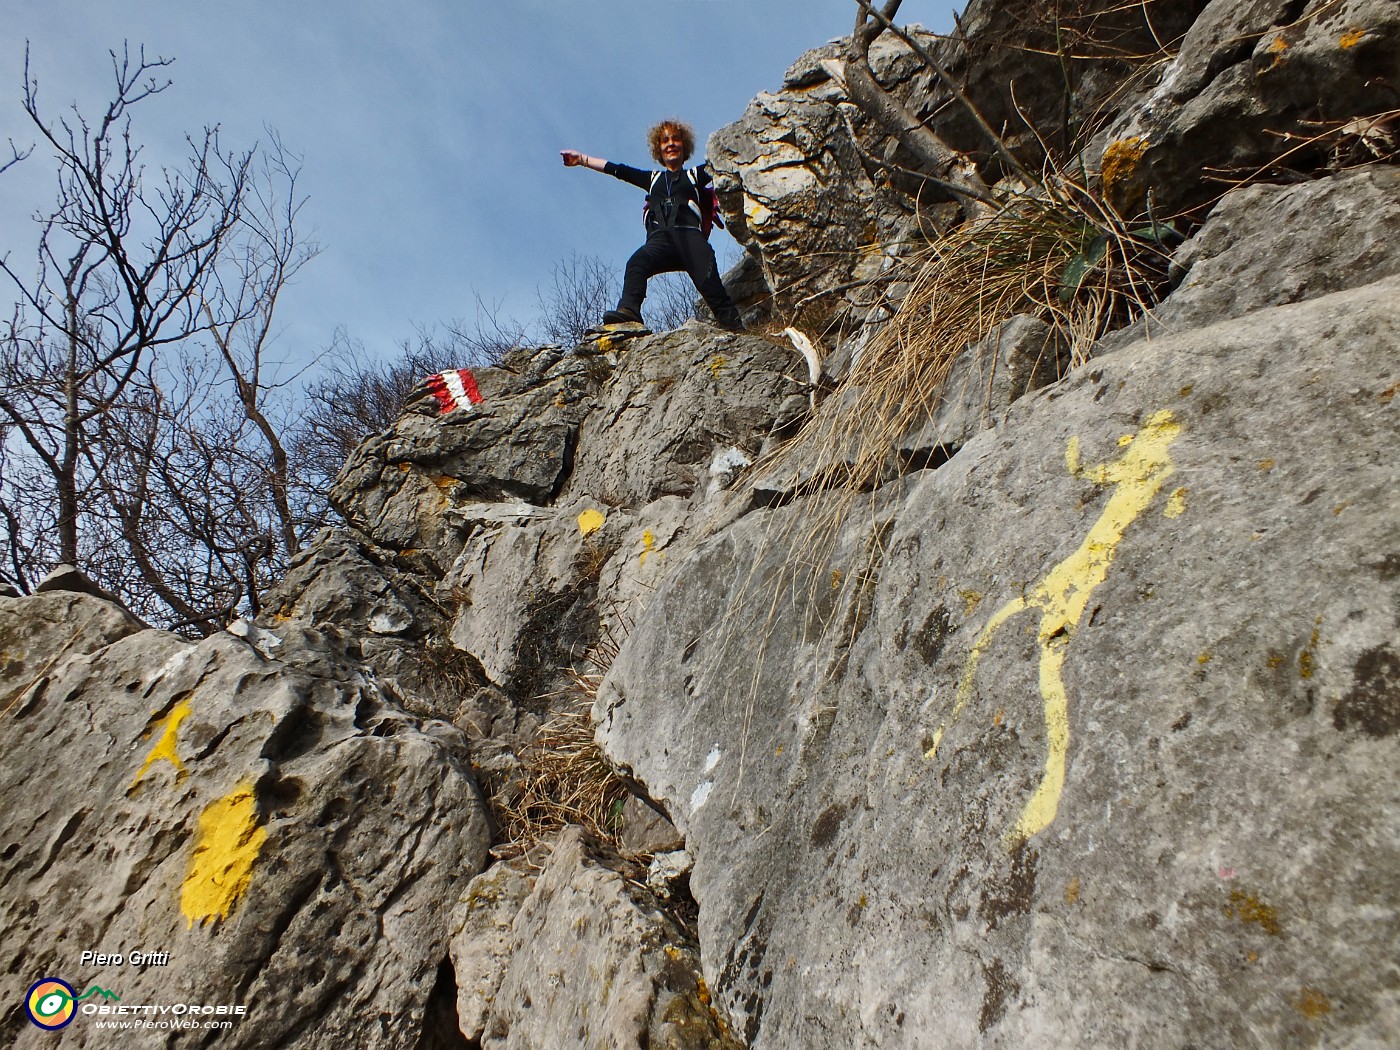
(242, 822)
(582, 957)
(1109, 721)
(1255, 85)
(1072, 725)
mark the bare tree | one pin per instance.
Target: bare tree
(121, 271)
(671, 299)
(581, 289)
(141, 416)
(245, 292)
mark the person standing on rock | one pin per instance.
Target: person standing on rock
(680, 208)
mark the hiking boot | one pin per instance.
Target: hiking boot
(622, 315)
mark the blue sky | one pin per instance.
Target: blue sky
(429, 129)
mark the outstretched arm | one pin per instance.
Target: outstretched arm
(573, 159)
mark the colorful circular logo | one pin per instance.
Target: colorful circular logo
(50, 1003)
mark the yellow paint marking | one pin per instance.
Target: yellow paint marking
(221, 867)
(717, 363)
(164, 749)
(648, 546)
(1176, 504)
(590, 521)
(605, 344)
(1063, 595)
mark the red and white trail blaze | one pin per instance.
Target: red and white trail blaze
(454, 389)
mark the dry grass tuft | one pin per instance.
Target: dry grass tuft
(563, 778)
(1063, 256)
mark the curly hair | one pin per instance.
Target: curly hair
(676, 127)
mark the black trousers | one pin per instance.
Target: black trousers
(681, 248)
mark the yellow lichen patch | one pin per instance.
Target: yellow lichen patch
(1176, 503)
(1205, 658)
(1312, 1003)
(590, 521)
(1072, 891)
(1306, 659)
(1267, 465)
(835, 579)
(1278, 47)
(165, 746)
(221, 867)
(1248, 908)
(1120, 167)
(1352, 37)
(1063, 595)
(757, 213)
(717, 364)
(971, 599)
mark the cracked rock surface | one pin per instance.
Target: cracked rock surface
(252, 807)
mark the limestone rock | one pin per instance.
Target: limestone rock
(1269, 245)
(1102, 711)
(482, 941)
(275, 823)
(1017, 357)
(675, 400)
(595, 963)
(646, 830)
(1249, 73)
(517, 443)
(525, 593)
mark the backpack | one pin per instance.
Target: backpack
(708, 209)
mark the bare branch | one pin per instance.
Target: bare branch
(949, 82)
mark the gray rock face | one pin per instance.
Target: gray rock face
(250, 809)
(516, 443)
(674, 401)
(794, 184)
(1084, 738)
(1079, 729)
(1270, 245)
(1248, 73)
(594, 963)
